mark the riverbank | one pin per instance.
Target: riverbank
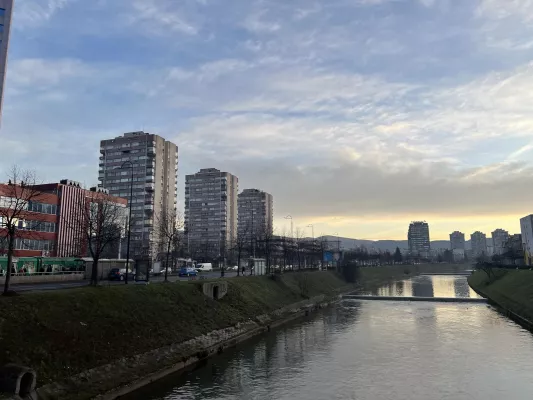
(510, 290)
(67, 333)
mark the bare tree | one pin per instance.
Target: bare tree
(239, 245)
(287, 247)
(299, 240)
(169, 225)
(102, 220)
(266, 239)
(15, 206)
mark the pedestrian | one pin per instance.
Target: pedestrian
(243, 269)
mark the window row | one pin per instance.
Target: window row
(42, 208)
(37, 226)
(33, 244)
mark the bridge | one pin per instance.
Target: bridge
(462, 273)
(415, 298)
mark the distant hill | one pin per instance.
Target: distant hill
(390, 245)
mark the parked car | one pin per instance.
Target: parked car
(187, 271)
(204, 267)
(117, 274)
(234, 268)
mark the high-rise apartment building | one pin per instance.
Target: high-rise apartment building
(457, 240)
(418, 238)
(499, 240)
(255, 213)
(150, 163)
(478, 241)
(6, 10)
(210, 212)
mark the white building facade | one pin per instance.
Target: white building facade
(526, 229)
(6, 11)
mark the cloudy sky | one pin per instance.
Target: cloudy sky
(357, 115)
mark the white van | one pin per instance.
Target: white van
(204, 267)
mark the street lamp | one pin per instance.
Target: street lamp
(338, 249)
(252, 233)
(312, 230)
(129, 220)
(290, 217)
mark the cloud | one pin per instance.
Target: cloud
(163, 17)
(32, 13)
(369, 109)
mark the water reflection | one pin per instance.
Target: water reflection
(429, 286)
(371, 350)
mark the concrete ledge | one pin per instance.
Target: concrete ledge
(431, 299)
(448, 274)
(29, 279)
(129, 374)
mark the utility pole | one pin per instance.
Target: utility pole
(290, 217)
(129, 221)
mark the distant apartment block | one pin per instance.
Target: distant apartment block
(210, 212)
(6, 10)
(499, 240)
(526, 229)
(153, 161)
(457, 240)
(418, 238)
(255, 216)
(458, 255)
(478, 241)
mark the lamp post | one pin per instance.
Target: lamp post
(338, 249)
(290, 217)
(252, 232)
(312, 230)
(129, 220)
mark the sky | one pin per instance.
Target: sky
(358, 116)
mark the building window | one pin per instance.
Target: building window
(2, 12)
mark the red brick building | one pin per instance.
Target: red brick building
(48, 228)
(36, 229)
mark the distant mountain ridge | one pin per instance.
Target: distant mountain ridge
(384, 245)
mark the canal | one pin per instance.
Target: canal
(373, 350)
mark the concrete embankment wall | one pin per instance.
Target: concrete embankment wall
(148, 367)
(510, 291)
(87, 341)
(30, 279)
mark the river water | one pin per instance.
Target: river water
(372, 350)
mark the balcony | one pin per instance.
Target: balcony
(150, 187)
(102, 150)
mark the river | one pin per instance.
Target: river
(372, 350)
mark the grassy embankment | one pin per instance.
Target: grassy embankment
(511, 289)
(65, 332)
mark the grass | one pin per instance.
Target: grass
(61, 333)
(512, 289)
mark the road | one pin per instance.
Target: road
(74, 284)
